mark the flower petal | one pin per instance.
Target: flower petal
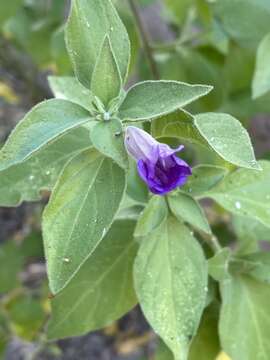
(141, 145)
(165, 150)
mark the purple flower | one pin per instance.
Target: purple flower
(157, 163)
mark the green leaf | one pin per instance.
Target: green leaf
(44, 123)
(205, 345)
(151, 99)
(153, 215)
(102, 290)
(24, 182)
(218, 265)
(26, 316)
(4, 334)
(78, 216)
(89, 22)
(180, 125)
(8, 9)
(69, 88)
(185, 208)
(257, 265)
(163, 352)
(246, 192)
(245, 320)
(106, 79)
(107, 137)
(11, 262)
(179, 9)
(203, 178)
(171, 281)
(261, 80)
(228, 138)
(246, 21)
(249, 233)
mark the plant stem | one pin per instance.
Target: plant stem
(144, 39)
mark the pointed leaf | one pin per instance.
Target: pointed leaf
(23, 182)
(107, 137)
(228, 138)
(89, 22)
(261, 79)
(185, 208)
(102, 290)
(44, 123)
(151, 99)
(106, 79)
(69, 88)
(78, 216)
(171, 281)
(246, 192)
(153, 215)
(245, 320)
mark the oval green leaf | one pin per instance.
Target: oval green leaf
(171, 284)
(102, 290)
(151, 99)
(228, 138)
(44, 123)
(78, 216)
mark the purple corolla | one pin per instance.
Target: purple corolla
(157, 163)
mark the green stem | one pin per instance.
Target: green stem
(144, 39)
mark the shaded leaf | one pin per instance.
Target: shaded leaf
(246, 21)
(261, 80)
(102, 290)
(205, 345)
(11, 262)
(26, 316)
